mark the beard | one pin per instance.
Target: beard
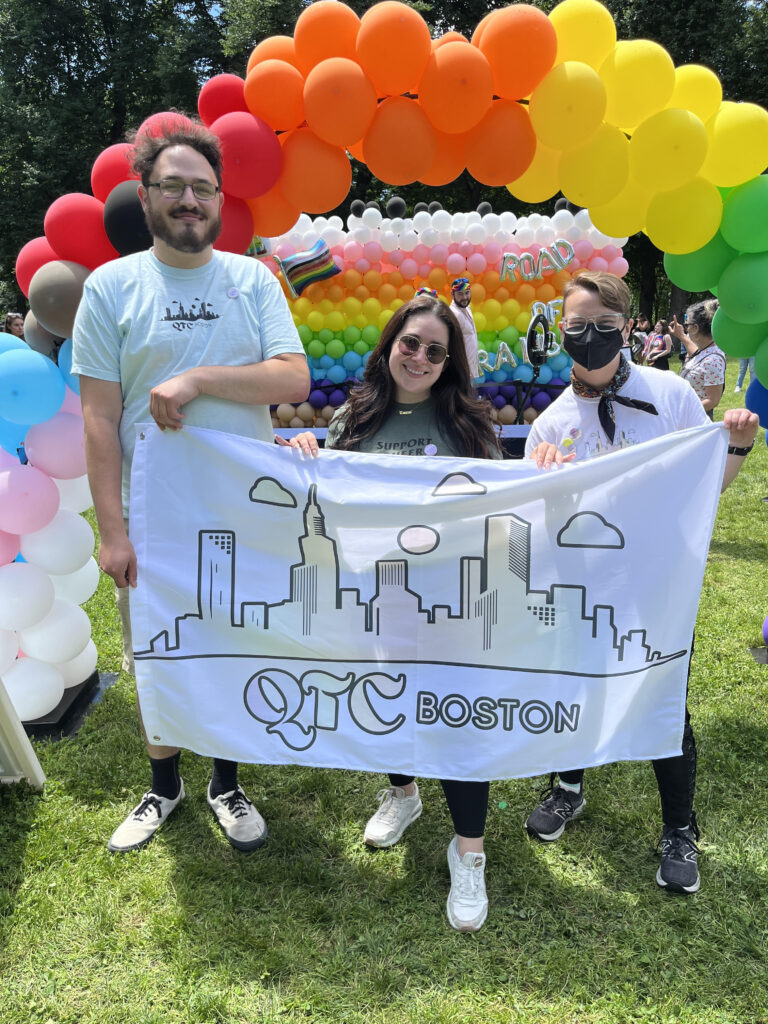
(184, 237)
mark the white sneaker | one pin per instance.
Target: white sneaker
(396, 812)
(240, 822)
(143, 821)
(467, 903)
(737, 389)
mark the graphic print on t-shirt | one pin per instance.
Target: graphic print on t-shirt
(593, 444)
(184, 319)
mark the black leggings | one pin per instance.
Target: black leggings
(467, 802)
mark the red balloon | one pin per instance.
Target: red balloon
(220, 95)
(166, 121)
(31, 257)
(111, 167)
(74, 226)
(236, 226)
(251, 155)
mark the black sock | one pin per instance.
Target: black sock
(223, 777)
(165, 776)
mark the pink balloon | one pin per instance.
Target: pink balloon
(513, 247)
(372, 251)
(362, 266)
(598, 263)
(9, 547)
(338, 250)
(353, 251)
(583, 249)
(438, 254)
(395, 257)
(421, 253)
(71, 403)
(453, 247)
(476, 263)
(7, 461)
(455, 263)
(409, 268)
(610, 252)
(284, 250)
(575, 264)
(57, 447)
(29, 499)
(619, 266)
(466, 248)
(424, 270)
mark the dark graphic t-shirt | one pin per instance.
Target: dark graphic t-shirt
(409, 430)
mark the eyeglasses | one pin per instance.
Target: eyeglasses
(174, 188)
(410, 345)
(605, 323)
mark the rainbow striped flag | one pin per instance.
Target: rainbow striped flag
(305, 268)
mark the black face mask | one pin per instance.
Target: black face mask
(593, 349)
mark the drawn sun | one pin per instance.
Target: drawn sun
(418, 540)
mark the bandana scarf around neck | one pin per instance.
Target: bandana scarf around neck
(608, 395)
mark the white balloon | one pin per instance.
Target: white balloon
(308, 239)
(582, 220)
(473, 217)
(371, 217)
(508, 220)
(61, 635)
(388, 241)
(562, 220)
(397, 225)
(79, 585)
(573, 233)
(304, 223)
(421, 221)
(524, 237)
(545, 235)
(429, 236)
(336, 222)
(476, 234)
(408, 241)
(459, 220)
(492, 223)
(442, 220)
(457, 235)
(535, 221)
(26, 595)
(597, 238)
(320, 224)
(9, 648)
(77, 669)
(75, 494)
(296, 239)
(361, 235)
(63, 546)
(620, 243)
(34, 688)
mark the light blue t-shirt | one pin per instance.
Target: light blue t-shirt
(141, 322)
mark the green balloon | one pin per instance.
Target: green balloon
(735, 339)
(370, 335)
(517, 348)
(761, 363)
(360, 347)
(745, 216)
(352, 335)
(509, 335)
(316, 349)
(335, 348)
(325, 335)
(305, 334)
(743, 288)
(698, 271)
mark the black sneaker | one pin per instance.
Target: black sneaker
(679, 871)
(557, 808)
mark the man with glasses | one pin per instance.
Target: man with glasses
(186, 335)
(612, 404)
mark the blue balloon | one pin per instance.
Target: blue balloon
(756, 400)
(558, 362)
(12, 435)
(316, 373)
(352, 361)
(9, 342)
(545, 374)
(499, 376)
(360, 372)
(337, 374)
(366, 357)
(31, 387)
(65, 366)
(523, 372)
(326, 361)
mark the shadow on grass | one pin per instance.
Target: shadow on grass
(749, 549)
(18, 808)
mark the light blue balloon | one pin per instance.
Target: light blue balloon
(360, 372)
(9, 343)
(65, 366)
(352, 361)
(316, 373)
(499, 376)
(12, 435)
(31, 387)
(337, 374)
(366, 357)
(523, 372)
(558, 362)
(545, 374)
(327, 361)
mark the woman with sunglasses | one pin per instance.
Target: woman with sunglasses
(416, 398)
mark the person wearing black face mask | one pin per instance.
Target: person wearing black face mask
(609, 405)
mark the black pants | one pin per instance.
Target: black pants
(467, 802)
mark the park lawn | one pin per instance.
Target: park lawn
(317, 928)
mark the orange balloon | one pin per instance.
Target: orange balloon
(273, 48)
(315, 294)
(393, 47)
(372, 280)
(449, 37)
(273, 91)
(491, 281)
(325, 29)
(520, 43)
(387, 293)
(501, 295)
(526, 293)
(482, 25)
(352, 279)
(395, 278)
(456, 88)
(502, 146)
(437, 278)
(406, 292)
(400, 144)
(478, 293)
(316, 176)
(272, 214)
(335, 293)
(339, 101)
(362, 293)
(449, 159)
(545, 293)
(356, 151)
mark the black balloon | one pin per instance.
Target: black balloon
(396, 207)
(124, 219)
(419, 207)
(373, 205)
(561, 204)
(356, 207)
(435, 206)
(484, 208)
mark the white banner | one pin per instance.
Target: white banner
(452, 618)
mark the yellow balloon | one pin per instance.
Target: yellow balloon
(522, 321)
(639, 77)
(585, 31)
(667, 149)
(625, 214)
(335, 321)
(492, 309)
(684, 218)
(738, 144)
(296, 319)
(384, 318)
(598, 171)
(481, 321)
(351, 307)
(360, 321)
(511, 309)
(315, 321)
(568, 105)
(499, 324)
(697, 89)
(325, 306)
(302, 307)
(371, 309)
(539, 182)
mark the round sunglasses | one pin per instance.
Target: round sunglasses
(410, 345)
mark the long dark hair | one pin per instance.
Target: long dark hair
(462, 417)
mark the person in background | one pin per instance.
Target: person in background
(743, 364)
(416, 398)
(658, 345)
(461, 294)
(14, 324)
(610, 404)
(704, 366)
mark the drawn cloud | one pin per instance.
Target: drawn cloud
(590, 530)
(418, 540)
(458, 483)
(269, 491)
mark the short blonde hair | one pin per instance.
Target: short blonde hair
(612, 291)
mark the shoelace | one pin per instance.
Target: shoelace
(149, 803)
(387, 809)
(678, 844)
(468, 879)
(236, 803)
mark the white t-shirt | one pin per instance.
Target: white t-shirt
(572, 423)
(141, 322)
(466, 321)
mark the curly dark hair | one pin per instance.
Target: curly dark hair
(177, 130)
(702, 314)
(462, 417)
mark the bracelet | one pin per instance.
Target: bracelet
(733, 450)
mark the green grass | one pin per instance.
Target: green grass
(316, 928)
